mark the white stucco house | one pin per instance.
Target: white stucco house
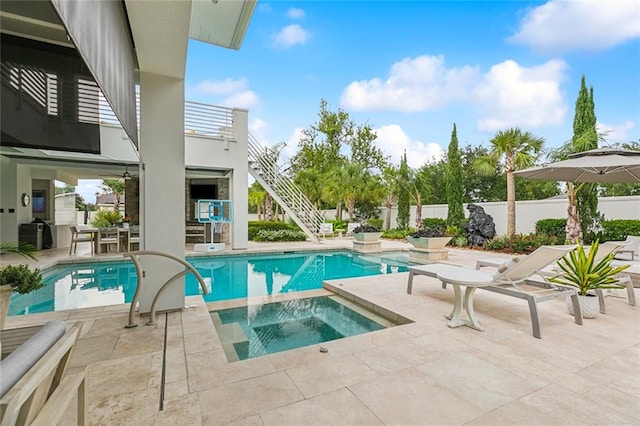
(93, 89)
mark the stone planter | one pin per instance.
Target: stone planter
(367, 236)
(435, 243)
(588, 304)
(428, 249)
(367, 242)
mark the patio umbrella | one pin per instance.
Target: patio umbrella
(597, 165)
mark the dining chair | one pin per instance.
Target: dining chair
(79, 236)
(134, 237)
(108, 237)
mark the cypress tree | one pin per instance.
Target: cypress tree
(454, 184)
(585, 138)
(402, 220)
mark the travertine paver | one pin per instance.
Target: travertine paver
(414, 374)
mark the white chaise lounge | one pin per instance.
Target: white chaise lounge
(516, 280)
(604, 250)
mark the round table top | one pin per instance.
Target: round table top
(466, 277)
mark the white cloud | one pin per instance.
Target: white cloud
(222, 87)
(295, 13)
(290, 35)
(292, 144)
(510, 95)
(616, 133)
(507, 95)
(259, 128)
(561, 25)
(247, 99)
(414, 84)
(88, 188)
(230, 92)
(393, 141)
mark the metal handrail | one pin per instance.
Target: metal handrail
(152, 315)
(295, 199)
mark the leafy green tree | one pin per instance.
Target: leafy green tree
(584, 138)
(310, 183)
(513, 150)
(435, 174)
(403, 182)
(115, 187)
(480, 187)
(454, 182)
(333, 142)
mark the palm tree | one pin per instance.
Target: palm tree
(419, 189)
(257, 196)
(391, 194)
(510, 150)
(115, 187)
(349, 183)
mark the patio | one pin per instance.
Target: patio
(420, 373)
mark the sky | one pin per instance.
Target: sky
(410, 69)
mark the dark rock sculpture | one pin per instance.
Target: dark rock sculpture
(481, 227)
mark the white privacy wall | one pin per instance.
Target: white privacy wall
(527, 212)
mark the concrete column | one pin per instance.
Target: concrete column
(240, 181)
(162, 194)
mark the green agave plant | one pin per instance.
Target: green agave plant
(581, 272)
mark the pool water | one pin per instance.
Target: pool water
(253, 331)
(229, 277)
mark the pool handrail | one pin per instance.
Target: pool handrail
(152, 315)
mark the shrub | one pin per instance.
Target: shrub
(339, 224)
(521, 243)
(618, 230)
(256, 226)
(613, 230)
(375, 222)
(280, 235)
(22, 279)
(499, 242)
(459, 241)
(397, 234)
(431, 222)
(106, 218)
(455, 231)
(552, 227)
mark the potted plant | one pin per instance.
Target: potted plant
(581, 272)
(366, 233)
(126, 221)
(433, 237)
(18, 278)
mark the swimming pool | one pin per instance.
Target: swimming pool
(230, 277)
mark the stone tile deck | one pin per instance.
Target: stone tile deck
(414, 374)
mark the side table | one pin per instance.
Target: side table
(471, 279)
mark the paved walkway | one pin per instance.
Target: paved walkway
(414, 374)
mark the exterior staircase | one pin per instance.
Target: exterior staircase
(263, 167)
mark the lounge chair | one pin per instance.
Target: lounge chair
(516, 279)
(629, 247)
(34, 389)
(604, 250)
